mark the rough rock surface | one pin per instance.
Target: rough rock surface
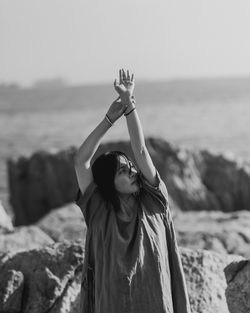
(226, 233)
(5, 221)
(40, 183)
(238, 286)
(178, 170)
(196, 181)
(215, 230)
(24, 238)
(205, 278)
(227, 177)
(52, 276)
(65, 223)
(11, 291)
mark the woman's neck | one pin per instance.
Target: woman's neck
(127, 201)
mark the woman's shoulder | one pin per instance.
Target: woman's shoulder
(82, 197)
(157, 191)
(89, 201)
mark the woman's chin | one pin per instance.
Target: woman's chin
(135, 187)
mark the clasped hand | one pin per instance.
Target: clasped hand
(125, 88)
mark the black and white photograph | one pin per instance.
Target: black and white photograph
(125, 156)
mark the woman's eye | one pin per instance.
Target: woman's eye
(123, 170)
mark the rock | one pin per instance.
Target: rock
(52, 277)
(205, 279)
(23, 239)
(238, 288)
(11, 291)
(65, 223)
(38, 184)
(227, 177)
(5, 221)
(70, 302)
(178, 170)
(215, 230)
(227, 233)
(196, 181)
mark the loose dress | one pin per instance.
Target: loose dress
(132, 263)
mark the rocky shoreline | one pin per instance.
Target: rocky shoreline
(41, 256)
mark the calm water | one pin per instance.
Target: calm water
(221, 123)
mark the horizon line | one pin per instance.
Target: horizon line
(61, 82)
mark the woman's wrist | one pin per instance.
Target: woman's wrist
(128, 113)
(130, 104)
(108, 120)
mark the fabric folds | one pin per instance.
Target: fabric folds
(131, 265)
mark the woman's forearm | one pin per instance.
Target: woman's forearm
(135, 132)
(92, 142)
(141, 154)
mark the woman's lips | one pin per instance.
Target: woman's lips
(135, 179)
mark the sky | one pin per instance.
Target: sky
(88, 41)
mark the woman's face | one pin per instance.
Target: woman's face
(126, 180)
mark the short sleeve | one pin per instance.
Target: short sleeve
(87, 201)
(159, 191)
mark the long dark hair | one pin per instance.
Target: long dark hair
(104, 169)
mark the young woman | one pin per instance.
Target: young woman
(132, 262)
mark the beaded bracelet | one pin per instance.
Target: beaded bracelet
(130, 112)
(108, 119)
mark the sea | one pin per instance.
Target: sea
(211, 114)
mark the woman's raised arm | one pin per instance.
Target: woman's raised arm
(125, 88)
(90, 145)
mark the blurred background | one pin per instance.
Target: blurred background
(59, 59)
(58, 62)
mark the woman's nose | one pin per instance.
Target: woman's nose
(132, 171)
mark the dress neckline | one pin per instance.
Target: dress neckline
(127, 212)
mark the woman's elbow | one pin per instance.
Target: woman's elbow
(143, 150)
(79, 160)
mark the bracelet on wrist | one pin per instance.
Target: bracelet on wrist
(108, 120)
(129, 112)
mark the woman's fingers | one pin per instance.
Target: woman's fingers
(124, 78)
(116, 86)
(120, 77)
(128, 76)
(124, 75)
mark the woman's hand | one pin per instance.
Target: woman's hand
(126, 85)
(116, 110)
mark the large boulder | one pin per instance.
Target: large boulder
(40, 183)
(205, 279)
(238, 286)
(227, 233)
(197, 180)
(65, 223)
(48, 279)
(178, 170)
(227, 177)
